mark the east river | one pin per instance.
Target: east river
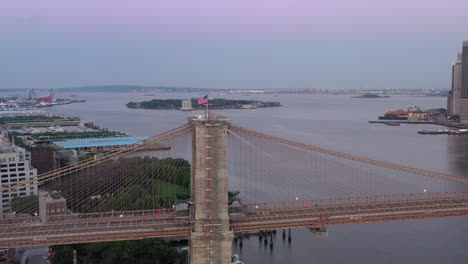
(337, 122)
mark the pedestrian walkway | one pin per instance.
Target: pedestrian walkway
(35, 251)
(35, 255)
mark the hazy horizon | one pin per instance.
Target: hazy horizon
(243, 44)
(227, 89)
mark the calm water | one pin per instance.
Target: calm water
(335, 122)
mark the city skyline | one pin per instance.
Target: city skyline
(232, 45)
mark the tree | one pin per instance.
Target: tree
(146, 251)
(25, 205)
(63, 254)
(18, 141)
(137, 184)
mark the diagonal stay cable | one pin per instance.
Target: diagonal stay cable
(388, 165)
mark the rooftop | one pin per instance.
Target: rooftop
(52, 196)
(17, 109)
(213, 119)
(6, 146)
(32, 130)
(99, 142)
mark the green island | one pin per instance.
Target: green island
(217, 103)
(371, 95)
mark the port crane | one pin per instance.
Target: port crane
(50, 98)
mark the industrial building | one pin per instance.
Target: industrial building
(97, 144)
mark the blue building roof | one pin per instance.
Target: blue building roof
(98, 142)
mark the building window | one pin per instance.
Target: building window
(21, 174)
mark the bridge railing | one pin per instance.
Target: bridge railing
(388, 198)
(155, 213)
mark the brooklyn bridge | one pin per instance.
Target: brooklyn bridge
(281, 184)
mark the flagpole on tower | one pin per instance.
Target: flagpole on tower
(204, 101)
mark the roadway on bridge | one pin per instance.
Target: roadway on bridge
(300, 214)
(113, 226)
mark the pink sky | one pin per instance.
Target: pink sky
(231, 44)
(239, 15)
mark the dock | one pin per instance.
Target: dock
(419, 122)
(389, 123)
(457, 132)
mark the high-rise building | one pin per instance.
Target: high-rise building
(453, 100)
(464, 84)
(465, 70)
(15, 166)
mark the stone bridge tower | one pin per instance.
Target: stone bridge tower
(211, 237)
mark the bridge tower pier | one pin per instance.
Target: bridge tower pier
(211, 238)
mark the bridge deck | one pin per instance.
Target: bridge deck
(94, 227)
(114, 226)
(316, 215)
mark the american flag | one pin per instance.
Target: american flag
(203, 100)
